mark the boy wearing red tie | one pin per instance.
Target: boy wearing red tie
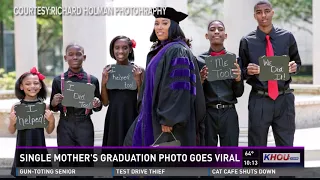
(271, 103)
(221, 95)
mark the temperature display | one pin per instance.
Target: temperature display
(250, 158)
(250, 153)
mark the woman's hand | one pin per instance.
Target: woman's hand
(166, 128)
(204, 73)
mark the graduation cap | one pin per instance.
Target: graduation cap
(171, 14)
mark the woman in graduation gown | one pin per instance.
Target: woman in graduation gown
(172, 99)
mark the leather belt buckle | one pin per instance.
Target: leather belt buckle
(217, 106)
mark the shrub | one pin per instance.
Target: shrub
(7, 80)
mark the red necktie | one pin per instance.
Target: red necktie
(217, 53)
(272, 84)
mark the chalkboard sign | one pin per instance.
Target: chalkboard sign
(30, 116)
(274, 68)
(121, 77)
(78, 95)
(220, 67)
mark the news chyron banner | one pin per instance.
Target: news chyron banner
(159, 161)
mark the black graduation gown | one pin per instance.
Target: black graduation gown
(177, 98)
(29, 137)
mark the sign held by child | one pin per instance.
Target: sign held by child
(274, 68)
(220, 67)
(121, 77)
(79, 95)
(30, 116)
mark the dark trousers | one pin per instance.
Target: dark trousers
(75, 131)
(265, 112)
(223, 122)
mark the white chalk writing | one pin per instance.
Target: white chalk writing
(84, 104)
(112, 70)
(128, 85)
(24, 121)
(121, 78)
(30, 107)
(221, 62)
(277, 71)
(267, 62)
(70, 85)
(79, 96)
(223, 74)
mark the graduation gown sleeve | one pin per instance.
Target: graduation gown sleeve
(177, 88)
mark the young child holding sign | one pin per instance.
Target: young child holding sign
(75, 125)
(30, 90)
(221, 95)
(122, 109)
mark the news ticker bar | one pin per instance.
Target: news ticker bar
(169, 157)
(174, 171)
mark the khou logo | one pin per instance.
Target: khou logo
(281, 157)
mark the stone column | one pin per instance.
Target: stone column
(25, 38)
(90, 32)
(316, 39)
(239, 21)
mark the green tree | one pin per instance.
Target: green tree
(200, 10)
(293, 11)
(289, 11)
(6, 13)
(49, 27)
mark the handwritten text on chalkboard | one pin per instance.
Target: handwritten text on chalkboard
(274, 68)
(121, 77)
(79, 95)
(30, 116)
(220, 67)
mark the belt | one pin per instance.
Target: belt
(221, 106)
(74, 116)
(265, 93)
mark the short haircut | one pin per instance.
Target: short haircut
(131, 54)
(20, 93)
(261, 3)
(216, 21)
(72, 45)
